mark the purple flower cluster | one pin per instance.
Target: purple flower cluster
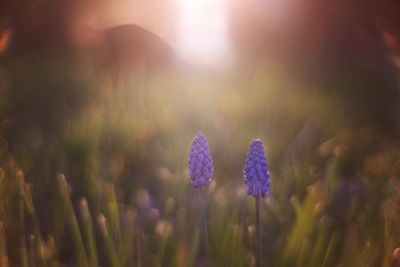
(256, 173)
(200, 162)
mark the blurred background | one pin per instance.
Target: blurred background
(100, 100)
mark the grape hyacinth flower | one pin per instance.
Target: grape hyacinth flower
(256, 173)
(256, 177)
(200, 162)
(201, 172)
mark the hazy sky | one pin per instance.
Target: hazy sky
(196, 28)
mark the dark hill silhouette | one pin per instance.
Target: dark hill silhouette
(43, 87)
(130, 45)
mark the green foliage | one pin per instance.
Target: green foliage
(126, 199)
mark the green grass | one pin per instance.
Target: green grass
(124, 197)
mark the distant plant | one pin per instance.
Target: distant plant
(256, 177)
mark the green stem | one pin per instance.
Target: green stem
(258, 234)
(204, 229)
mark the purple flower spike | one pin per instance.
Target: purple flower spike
(256, 173)
(200, 162)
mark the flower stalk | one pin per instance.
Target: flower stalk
(201, 172)
(256, 177)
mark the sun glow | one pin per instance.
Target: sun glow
(202, 34)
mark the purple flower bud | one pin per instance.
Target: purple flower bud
(256, 173)
(200, 162)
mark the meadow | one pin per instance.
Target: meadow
(108, 184)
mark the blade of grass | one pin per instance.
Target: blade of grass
(70, 213)
(89, 233)
(108, 242)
